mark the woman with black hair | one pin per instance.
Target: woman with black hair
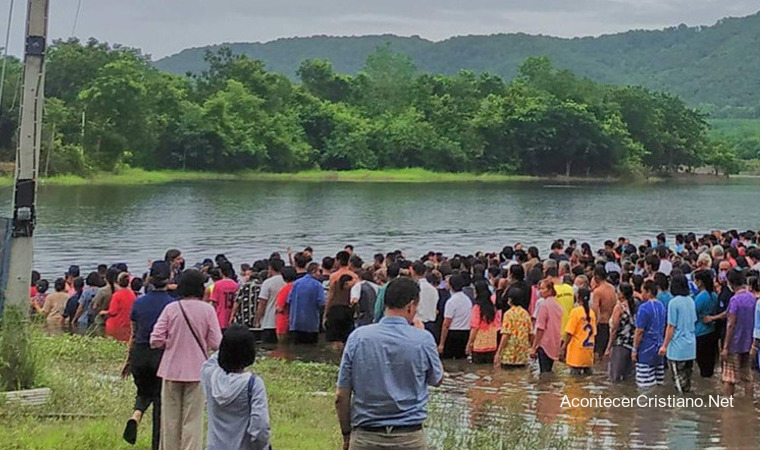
(680, 344)
(580, 332)
(187, 330)
(484, 326)
(622, 329)
(706, 304)
(238, 412)
(102, 299)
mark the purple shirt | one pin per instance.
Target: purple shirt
(743, 306)
(183, 355)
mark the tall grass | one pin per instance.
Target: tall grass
(18, 367)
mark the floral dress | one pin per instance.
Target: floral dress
(517, 326)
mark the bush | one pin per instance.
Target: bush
(18, 368)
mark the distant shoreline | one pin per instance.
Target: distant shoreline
(144, 177)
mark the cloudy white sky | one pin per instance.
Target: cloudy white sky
(164, 27)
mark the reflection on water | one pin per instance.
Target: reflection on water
(482, 392)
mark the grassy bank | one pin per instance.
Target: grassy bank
(141, 176)
(82, 373)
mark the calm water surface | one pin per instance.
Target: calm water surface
(248, 220)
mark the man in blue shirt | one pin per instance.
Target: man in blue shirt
(387, 368)
(305, 299)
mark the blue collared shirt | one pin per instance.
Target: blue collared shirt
(389, 366)
(305, 298)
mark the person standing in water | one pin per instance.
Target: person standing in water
(580, 331)
(680, 344)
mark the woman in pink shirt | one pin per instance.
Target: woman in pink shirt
(485, 323)
(187, 330)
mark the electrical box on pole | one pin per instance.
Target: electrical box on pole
(28, 156)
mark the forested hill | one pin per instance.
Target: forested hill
(716, 67)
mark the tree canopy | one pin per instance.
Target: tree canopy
(107, 107)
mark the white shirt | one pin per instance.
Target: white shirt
(459, 310)
(428, 301)
(665, 267)
(270, 288)
(356, 289)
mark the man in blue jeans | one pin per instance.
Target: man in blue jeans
(379, 370)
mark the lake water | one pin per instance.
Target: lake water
(87, 225)
(246, 221)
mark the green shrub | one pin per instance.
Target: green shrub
(17, 363)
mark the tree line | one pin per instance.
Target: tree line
(108, 107)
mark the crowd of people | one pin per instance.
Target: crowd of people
(640, 311)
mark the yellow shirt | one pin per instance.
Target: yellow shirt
(566, 299)
(580, 349)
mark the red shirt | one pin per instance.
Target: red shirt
(118, 323)
(223, 297)
(283, 312)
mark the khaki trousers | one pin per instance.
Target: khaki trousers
(181, 415)
(364, 440)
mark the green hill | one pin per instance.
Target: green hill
(716, 67)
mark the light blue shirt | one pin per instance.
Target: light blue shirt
(389, 366)
(682, 314)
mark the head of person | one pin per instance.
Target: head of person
(736, 278)
(679, 285)
(652, 263)
(418, 270)
(35, 277)
(401, 298)
(457, 282)
(42, 286)
(356, 264)
(289, 274)
(72, 273)
(349, 249)
(238, 349)
(581, 281)
(583, 299)
(550, 268)
(191, 284)
(94, 280)
(625, 295)
(275, 267)
(313, 269)
(342, 257)
(704, 280)
(546, 288)
(59, 285)
(517, 272)
(226, 269)
(78, 284)
(111, 275)
(394, 270)
(159, 275)
(328, 263)
(649, 290)
(308, 252)
(136, 284)
(174, 258)
(123, 280)
(299, 259)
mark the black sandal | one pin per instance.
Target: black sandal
(130, 431)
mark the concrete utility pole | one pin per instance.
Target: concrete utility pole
(28, 156)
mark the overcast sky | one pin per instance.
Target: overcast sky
(164, 27)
